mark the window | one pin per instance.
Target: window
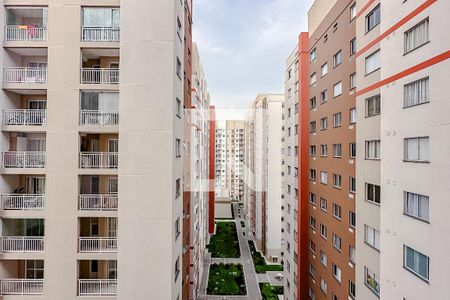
(373, 149)
(179, 28)
(373, 62)
(352, 46)
(289, 74)
(311, 294)
(313, 55)
(337, 89)
(337, 150)
(323, 150)
(323, 285)
(337, 272)
(312, 126)
(323, 204)
(312, 103)
(337, 242)
(323, 231)
(416, 262)
(352, 288)
(177, 147)
(352, 150)
(179, 68)
(337, 181)
(352, 81)
(352, 185)
(296, 109)
(337, 211)
(323, 177)
(312, 174)
(324, 96)
(416, 92)
(372, 237)
(313, 79)
(312, 271)
(177, 268)
(417, 149)
(417, 36)
(353, 11)
(296, 128)
(323, 258)
(312, 222)
(372, 281)
(373, 18)
(312, 150)
(416, 206)
(373, 106)
(351, 253)
(312, 198)
(179, 108)
(312, 246)
(373, 193)
(324, 123)
(324, 69)
(337, 58)
(352, 115)
(337, 120)
(177, 188)
(177, 228)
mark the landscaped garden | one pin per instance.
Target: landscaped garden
(269, 292)
(224, 244)
(260, 263)
(226, 279)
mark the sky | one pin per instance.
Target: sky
(244, 45)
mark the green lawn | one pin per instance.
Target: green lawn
(226, 280)
(260, 263)
(224, 244)
(269, 292)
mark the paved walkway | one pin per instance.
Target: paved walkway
(251, 280)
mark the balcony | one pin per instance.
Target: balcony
(97, 287)
(98, 244)
(22, 201)
(99, 160)
(99, 118)
(26, 24)
(100, 66)
(22, 244)
(24, 117)
(23, 159)
(21, 286)
(100, 75)
(25, 33)
(25, 75)
(98, 202)
(100, 34)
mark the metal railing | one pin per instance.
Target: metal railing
(23, 159)
(25, 33)
(97, 287)
(98, 202)
(22, 244)
(24, 117)
(99, 160)
(25, 75)
(99, 76)
(97, 244)
(100, 34)
(21, 286)
(22, 201)
(97, 117)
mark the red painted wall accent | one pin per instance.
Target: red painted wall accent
(428, 63)
(303, 158)
(212, 167)
(364, 8)
(396, 26)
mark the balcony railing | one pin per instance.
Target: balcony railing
(98, 202)
(99, 76)
(31, 117)
(25, 33)
(22, 201)
(100, 34)
(22, 244)
(21, 286)
(99, 160)
(23, 159)
(97, 287)
(25, 75)
(97, 244)
(100, 118)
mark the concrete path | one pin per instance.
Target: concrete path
(251, 280)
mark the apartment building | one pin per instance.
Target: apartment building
(230, 147)
(77, 217)
(402, 60)
(290, 173)
(265, 183)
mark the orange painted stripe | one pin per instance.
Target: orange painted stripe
(396, 26)
(428, 63)
(365, 7)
